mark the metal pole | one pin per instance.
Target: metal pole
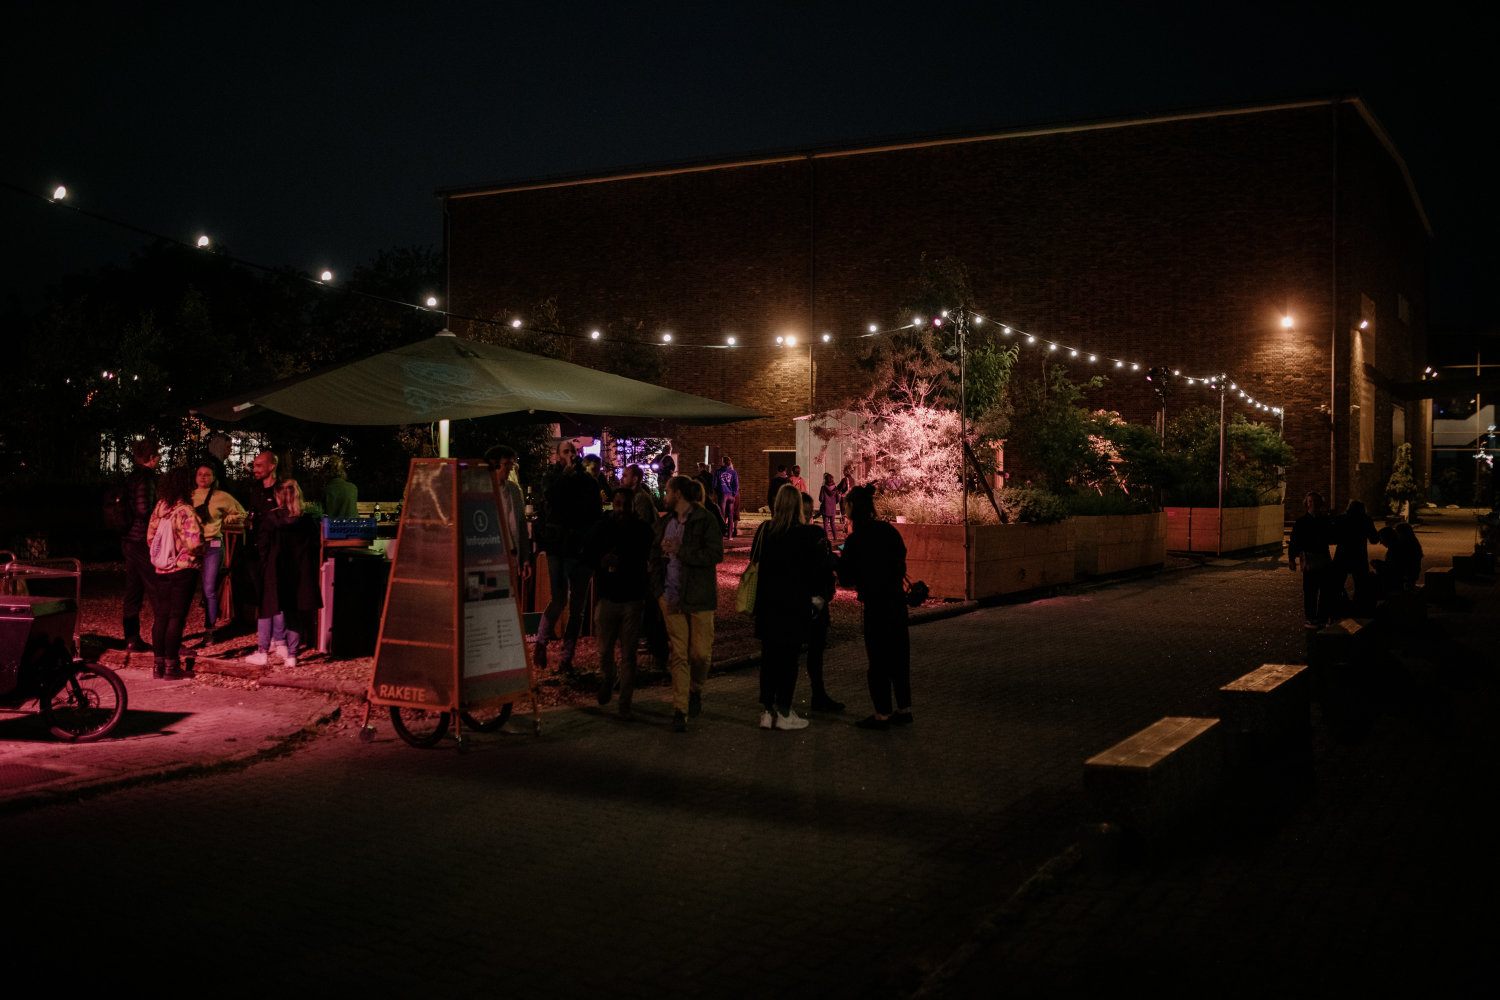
(963, 422)
(1219, 546)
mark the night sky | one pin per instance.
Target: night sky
(314, 135)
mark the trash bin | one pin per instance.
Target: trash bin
(29, 623)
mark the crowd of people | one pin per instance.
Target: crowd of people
(176, 538)
(652, 560)
(1332, 554)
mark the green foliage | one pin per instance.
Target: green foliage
(1110, 502)
(1254, 455)
(1401, 489)
(1052, 434)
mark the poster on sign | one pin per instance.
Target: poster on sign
(451, 638)
(494, 653)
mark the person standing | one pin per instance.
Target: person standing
(789, 593)
(573, 505)
(797, 480)
(874, 564)
(270, 627)
(817, 631)
(503, 460)
(617, 548)
(782, 478)
(139, 500)
(340, 497)
(688, 545)
(290, 592)
(1353, 533)
(215, 509)
(828, 507)
(1307, 551)
(175, 541)
(729, 491)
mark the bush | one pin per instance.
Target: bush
(1102, 504)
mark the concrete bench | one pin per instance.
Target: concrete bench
(1268, 715)
(1154, 783)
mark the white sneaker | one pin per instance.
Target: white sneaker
(278, 649)
(791, 720)
(767, 720)
(257, 659)
(289, 661)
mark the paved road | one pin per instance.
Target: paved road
(621, 860)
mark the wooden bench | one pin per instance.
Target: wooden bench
(1267, 715)
(1437, 585)
(1155, 782)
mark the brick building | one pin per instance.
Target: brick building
(1181, 240)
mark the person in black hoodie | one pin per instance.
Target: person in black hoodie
(874, 565)
(140, 576)
(616, 548)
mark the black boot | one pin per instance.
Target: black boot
(131, 628)
(158, 668)
(174, 671)
(207, 640)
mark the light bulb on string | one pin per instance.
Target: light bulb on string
(515, 324)
(203, 242)
(59, 193)
(431, 301)
(594, 335)
(326, 276)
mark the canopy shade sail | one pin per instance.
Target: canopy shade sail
(448, 378)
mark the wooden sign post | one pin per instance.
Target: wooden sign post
(452, 644)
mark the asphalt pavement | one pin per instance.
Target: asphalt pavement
(245, 839)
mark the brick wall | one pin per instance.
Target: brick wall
(1175, 242)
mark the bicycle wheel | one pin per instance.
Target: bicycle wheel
(419, 728)
(487, 720)
(88, 706)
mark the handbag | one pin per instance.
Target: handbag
(916, 593)
(744, 592)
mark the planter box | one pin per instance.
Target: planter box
(1002, 558)
(1196, 529)
(1118, 543)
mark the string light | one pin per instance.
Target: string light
(59, 193)
(202, 242)
(326, 276)
(431, 301)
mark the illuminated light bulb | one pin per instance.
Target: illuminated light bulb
(780, 341)
(666, 338)
(1005, 330)
(978, 320)
(1072, 354)
(1092, 359)
(135, 378)
(827, 337)
(202, 241)
(1286, 322)
(326, 276)
(1030, 339)
(937, 322)
(1119, 364)
(1232, 386)
(1176, 371)
(1364, 324)
(873, 327)
(791, 341)
(1190, 381)
(515, 324)
(1135, 368)
(916, 321)
(731, 341)
(945, 314)
(59, 193)
(594, 335)
(431, 301)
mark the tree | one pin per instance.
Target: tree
(1056, 438)
(1401, 490)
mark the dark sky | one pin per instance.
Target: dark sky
(314, 134)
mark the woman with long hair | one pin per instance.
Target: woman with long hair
(791, 590)
(290, 591)
(175, 540)
(874, 564)
(215, 509)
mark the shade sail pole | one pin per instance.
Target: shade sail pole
(442, 438)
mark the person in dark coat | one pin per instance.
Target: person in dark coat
(791, 589)
(874, 565)
(573, 504)
(1307, 551)
(1353, 533)
(289, 548)
(817, 636)
(140, 576)
(616, 549)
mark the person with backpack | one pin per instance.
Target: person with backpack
(129, 513)
(175, 538)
